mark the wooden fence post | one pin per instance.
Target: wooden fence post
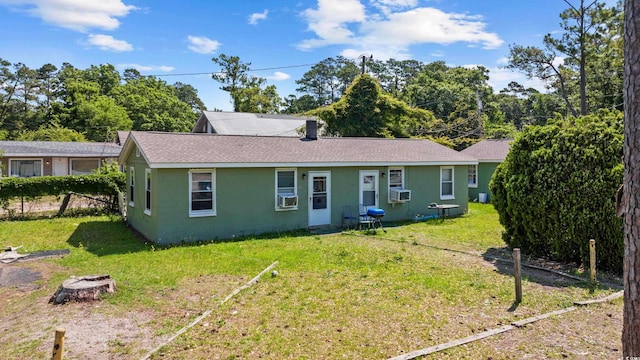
(516, 274)
(58, 345)
(592, 260)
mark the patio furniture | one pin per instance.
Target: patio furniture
(443, 211)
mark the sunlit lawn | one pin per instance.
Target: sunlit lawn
(343, 295)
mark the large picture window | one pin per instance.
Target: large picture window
(147, 190)
(84, 166)
(25, 167)
(286, 189)
(473, 176)
(202, 200)
(446, 183)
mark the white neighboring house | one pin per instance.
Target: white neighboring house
(237, 123)
(42, 158)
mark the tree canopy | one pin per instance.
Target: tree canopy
(89, 104)
(366, 111)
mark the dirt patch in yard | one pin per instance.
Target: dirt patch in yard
(101, 331)
(97, 330)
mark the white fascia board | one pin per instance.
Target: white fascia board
(293, 165)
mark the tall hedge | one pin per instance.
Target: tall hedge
(96, 184)
(556, 190)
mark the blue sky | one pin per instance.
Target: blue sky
(177, 39)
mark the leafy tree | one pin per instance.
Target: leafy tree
(105, 75)
(395, 75)
(365, 111)
(52, 133)
(251, 97)
(328, 80)
(232, 76)
(299, 105)
(104, 118)
(188, 94)
(46, 74)
(555, 190)
(153, 105)
(590, 44)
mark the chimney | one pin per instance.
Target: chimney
(312, 130)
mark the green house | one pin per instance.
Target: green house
(489, 153)
(186, 187)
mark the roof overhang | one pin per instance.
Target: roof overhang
(305, 164)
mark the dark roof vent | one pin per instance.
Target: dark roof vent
(312, 130)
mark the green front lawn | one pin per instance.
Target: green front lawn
(343, 295)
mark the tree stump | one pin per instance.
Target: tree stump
(84, 288)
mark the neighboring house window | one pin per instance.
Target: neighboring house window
(25, 167)
(147, 190)
(202, 190)
(446, 183)
(396, 179)
(286, 189)
(132, 185)
(473, 176)
(84, 166)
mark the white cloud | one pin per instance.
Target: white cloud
(329, 22)
(255, 17)
(108, 43)
(499, 78)
(503, 61)
(392, 31)
(202, 45)
(78, 15)
(279, 76)
(388, 6)
(143, 68)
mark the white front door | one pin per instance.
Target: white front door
(368, 189)
(319, 198)
(60, 166)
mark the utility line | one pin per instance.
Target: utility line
(222, 72)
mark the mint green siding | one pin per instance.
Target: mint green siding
(246, 202)
(485, 172)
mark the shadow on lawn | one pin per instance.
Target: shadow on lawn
(111, 237)
(543, 272)
(107, 237)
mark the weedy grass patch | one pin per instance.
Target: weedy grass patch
(341, 295)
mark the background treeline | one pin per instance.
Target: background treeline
(71, 104)
(582, 68)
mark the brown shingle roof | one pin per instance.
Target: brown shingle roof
(189, 149)
(489, 150)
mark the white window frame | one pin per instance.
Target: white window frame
(71, 160)
(207, 212)
(147, 191)
(132, 186)
(277, 189)
(27, 159)
(402, 183)
(452, 181)
(473, 184)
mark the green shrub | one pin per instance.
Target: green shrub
(556, 190)
(109, 184)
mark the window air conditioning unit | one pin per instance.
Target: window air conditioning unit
(287, 201)
(400, 195)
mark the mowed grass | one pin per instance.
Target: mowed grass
(343, 295)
